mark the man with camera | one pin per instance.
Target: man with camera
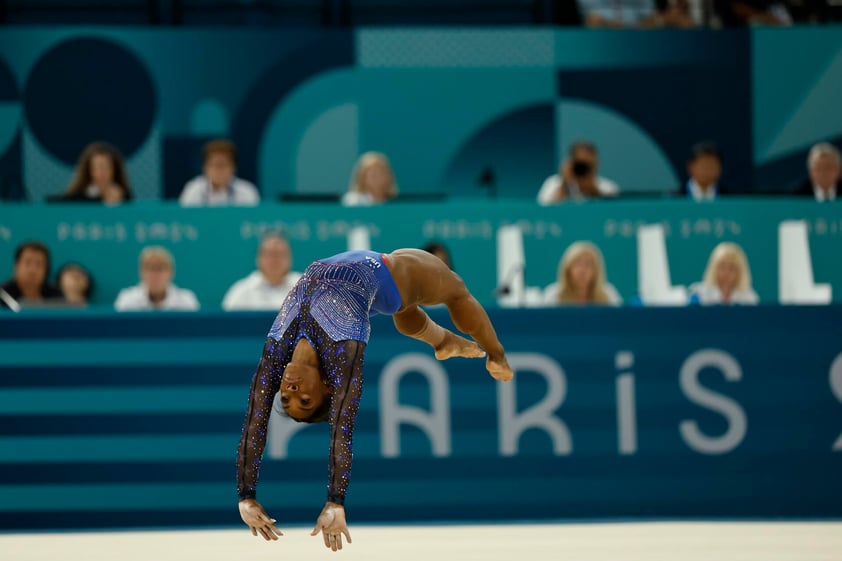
(578, 178)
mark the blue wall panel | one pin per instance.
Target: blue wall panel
(613, 412)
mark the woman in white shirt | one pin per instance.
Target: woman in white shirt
(727, 278)
(372, 181)
(156, 290)
(581, 279)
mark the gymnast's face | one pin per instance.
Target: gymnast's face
(302, 390)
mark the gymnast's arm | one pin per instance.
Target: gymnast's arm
(264, 386)
(345, 370)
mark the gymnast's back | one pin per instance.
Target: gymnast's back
(340, 293)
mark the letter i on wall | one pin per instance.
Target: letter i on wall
(626, 409)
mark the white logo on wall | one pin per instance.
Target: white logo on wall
(547, 413)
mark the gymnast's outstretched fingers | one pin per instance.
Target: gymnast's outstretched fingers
(258, 521)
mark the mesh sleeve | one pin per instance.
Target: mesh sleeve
(344, 368)
(264, 385)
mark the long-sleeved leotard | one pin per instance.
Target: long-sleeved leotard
(330, 307)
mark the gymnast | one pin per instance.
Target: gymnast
(314, 357)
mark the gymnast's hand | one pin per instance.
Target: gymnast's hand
(256, 518)
(331, 524)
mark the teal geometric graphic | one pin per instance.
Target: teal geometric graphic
(787, 65)
(817, 117)
(299, 116)
(209, 118)
(627, 154)
(327, 151)
(10, 120)
(45, 175)
(422, 118)
(455, 48)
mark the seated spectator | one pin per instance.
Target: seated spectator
(727, 278)
(752, 12)
(265, 288)
(156, 290)
(581, 279)
(578, 178)
(100, 177)
(677, 13)
(218, 185)
(824, 165)
(705, 170)
(637, 13)
(75, 283)
(28, 285)
(439, 250)
(372, 181)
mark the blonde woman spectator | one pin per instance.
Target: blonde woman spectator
(156, 290)
(727, 278)
(372, 181)
(581, 279)
(218, 185)
(265, 288)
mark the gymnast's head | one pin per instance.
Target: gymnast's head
(305, 397)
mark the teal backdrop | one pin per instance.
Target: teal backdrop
(477, 112)
(113, 420)
(217, 246)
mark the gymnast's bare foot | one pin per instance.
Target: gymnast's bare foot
(499, 368)
(454, 345)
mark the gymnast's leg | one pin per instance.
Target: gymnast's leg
(414, 322)
(470, 317)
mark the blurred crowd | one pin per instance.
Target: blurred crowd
(100, 177)
(344, 13)
(647, 14)
(581, 280)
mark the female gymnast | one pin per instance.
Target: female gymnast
(314, 357)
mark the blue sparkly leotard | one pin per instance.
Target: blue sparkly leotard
(329, 306)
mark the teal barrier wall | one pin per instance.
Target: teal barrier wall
(215, 247)
(449, 106)
(110, 420)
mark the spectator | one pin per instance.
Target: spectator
(581, 279)
(705, 169)
(100, 177)
(636, 13)
(578, 178)
(265, 288)
(727, 278)
(75, 283)
(678, 13)
(752, 12)
(440, 250)
(156, 290)
(372, 181)
(218, 185)
(824, 165)
(28, 285)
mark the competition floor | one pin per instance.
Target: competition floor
(644, 541)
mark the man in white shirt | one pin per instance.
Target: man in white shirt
(266, 288)
(156, 290)
(218, 186)
(824, 164)
(705, 170)
(578, 178)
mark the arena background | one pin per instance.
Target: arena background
(112, 421)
